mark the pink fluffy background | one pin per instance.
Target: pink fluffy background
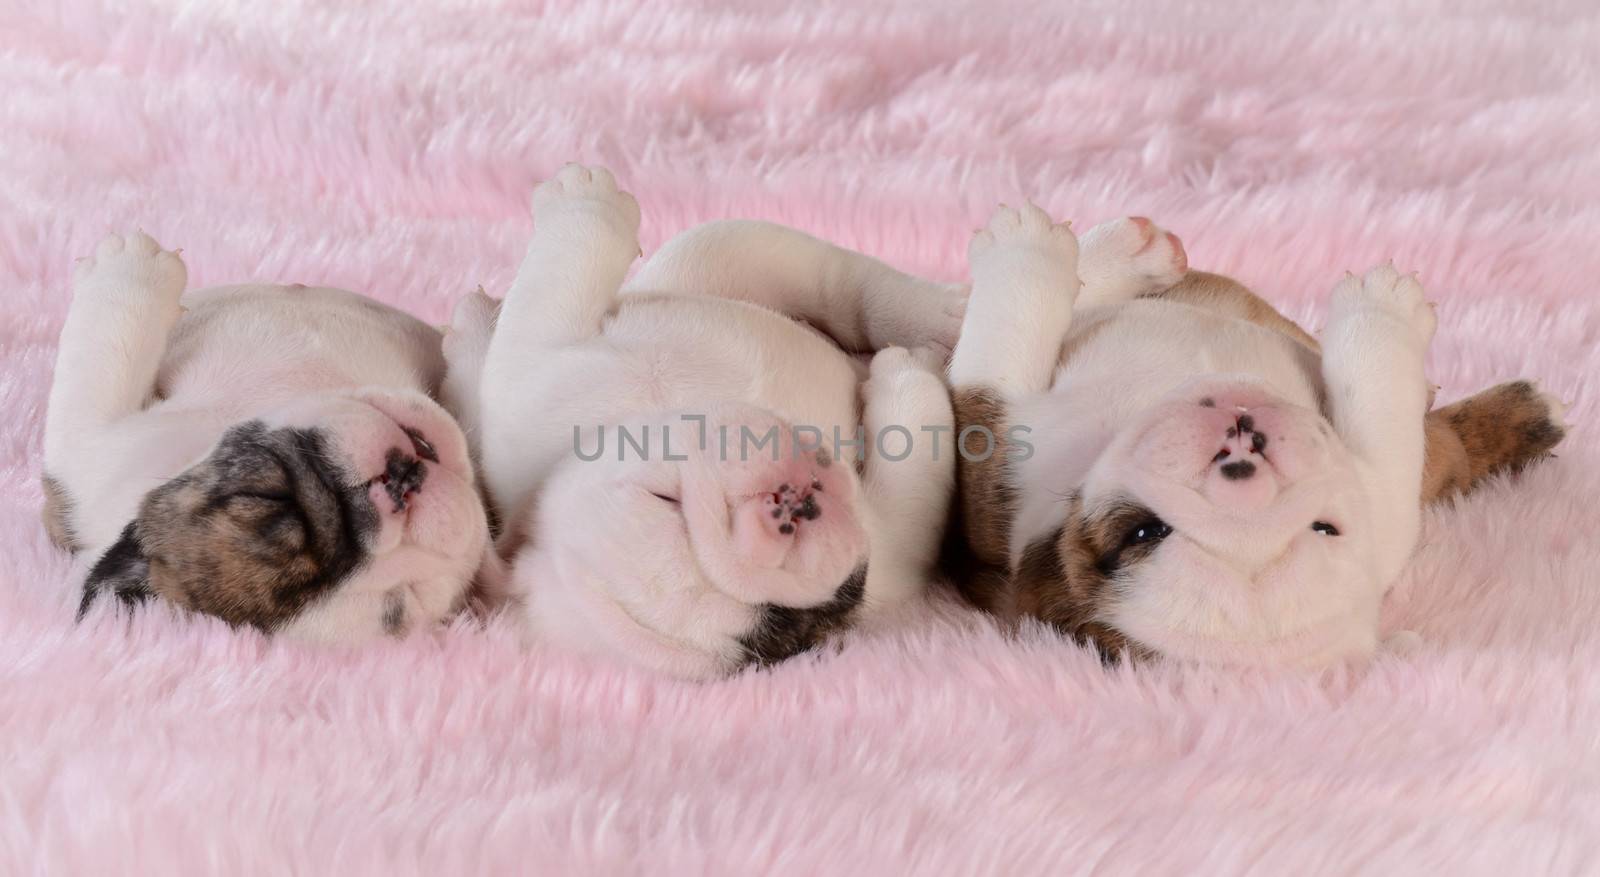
(392, 148)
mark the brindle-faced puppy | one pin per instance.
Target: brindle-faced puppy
(267, 455)
(1190, 474)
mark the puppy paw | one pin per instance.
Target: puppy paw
(893, 361)
(1385, 290)
(587, 201)
(471, 325)
(905, 390)
(1508, 426)
(134, 267)
(1126, 258)
(1555, 411)
(1022, 241)
(1024, 284)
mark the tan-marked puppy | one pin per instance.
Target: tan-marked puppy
(268, 455)
(1187, 473)
(720, 538)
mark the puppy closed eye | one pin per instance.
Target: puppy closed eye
(270, 516)
(253, 496)
(665, 498)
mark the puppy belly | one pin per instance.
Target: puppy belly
(264, 344)
(685, 352)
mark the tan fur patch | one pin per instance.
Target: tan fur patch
(1229, 297)
(985, 484)
(57, 515)
(1501, 429)
(1062, 579)
(980, 533)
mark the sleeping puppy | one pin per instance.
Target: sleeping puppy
(691, 478)
(267, 455)
(1189, 474)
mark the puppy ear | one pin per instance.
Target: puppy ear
(124, 570)
(1059, 581)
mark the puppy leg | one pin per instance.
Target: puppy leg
(1024, 284)
(1126, 258)
(861, 303)
(910, 472)
(466, 347)
(586, 234)
(1501, 429)
(1379, 328)
(124, 304)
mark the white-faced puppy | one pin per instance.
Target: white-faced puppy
(1188, 474)
(677, 466)
(268, 455)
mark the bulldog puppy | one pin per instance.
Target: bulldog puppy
(1188, 474)
(268, 455)
(690, 477)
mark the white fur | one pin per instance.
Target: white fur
(145, 386)
(1113, 411)
(663, 561)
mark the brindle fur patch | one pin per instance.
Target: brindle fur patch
(57, 515)
(783, 631)
(253, 534)
(394, 614)
(123, 572)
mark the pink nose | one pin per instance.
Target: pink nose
(766, 525)
(789, 506)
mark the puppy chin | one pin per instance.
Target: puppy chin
(1310, 608)
(1310, 648)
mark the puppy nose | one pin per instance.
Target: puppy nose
(1258, 440)
(789, 505)
(1238, 470)
(1242, 437)
(402, 476)
(1246, 426)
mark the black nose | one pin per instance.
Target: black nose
(402, 476)
(1238, 470)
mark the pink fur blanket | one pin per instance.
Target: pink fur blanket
(392, 149)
